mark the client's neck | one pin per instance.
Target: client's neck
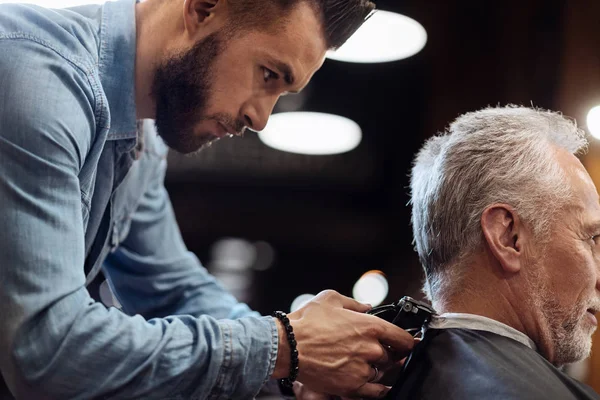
(492, 305)
(486, 292)
(483, 289)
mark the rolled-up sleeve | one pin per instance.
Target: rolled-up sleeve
(55, 341)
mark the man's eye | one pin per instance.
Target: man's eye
(596, 239)
(268, 74)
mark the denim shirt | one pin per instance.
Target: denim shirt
(81, 189)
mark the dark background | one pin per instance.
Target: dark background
(332, 218)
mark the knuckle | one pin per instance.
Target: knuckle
(374, 352)
(373, 330)
(366, 373)
(331, 292)
(357, 379)
(381, 353)
(327, 294)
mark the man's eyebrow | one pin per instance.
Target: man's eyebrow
(286, 70)
(593, 227)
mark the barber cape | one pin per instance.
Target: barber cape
(464, 356)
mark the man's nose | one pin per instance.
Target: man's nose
(256, 113)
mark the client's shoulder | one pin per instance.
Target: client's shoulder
(473, 364)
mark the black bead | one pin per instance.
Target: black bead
(288, 382)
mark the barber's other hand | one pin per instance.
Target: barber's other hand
(338, 345)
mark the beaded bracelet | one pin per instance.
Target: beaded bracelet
(289, 381)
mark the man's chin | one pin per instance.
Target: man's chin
(204, 145)
(186, 142)
(581, 347)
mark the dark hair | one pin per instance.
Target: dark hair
(339, 18)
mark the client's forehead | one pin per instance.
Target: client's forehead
(585, 196)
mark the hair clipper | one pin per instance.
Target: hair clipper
(407, 313)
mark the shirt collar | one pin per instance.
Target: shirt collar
(117, 66)
(479, 323)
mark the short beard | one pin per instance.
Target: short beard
(181, 89)
(570, 341)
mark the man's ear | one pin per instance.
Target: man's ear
(504, 233)
(199, 13)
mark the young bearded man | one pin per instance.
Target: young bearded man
(84, 93)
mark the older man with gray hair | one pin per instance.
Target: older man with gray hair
(506, 222)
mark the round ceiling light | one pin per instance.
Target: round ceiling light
(371, 288)
(311, 133)
(384, 37)
(593, 122)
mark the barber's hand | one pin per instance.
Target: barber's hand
(388, 378)
(338, 345)
(391, 375)
(301, 392)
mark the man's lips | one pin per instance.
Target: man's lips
(226, 130)
(222, 130)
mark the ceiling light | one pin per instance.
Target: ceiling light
(371, 288)
(311, 133)
(385, 36)
(593, 122)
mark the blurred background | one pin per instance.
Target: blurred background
(273, 225)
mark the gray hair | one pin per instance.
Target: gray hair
(496, 155)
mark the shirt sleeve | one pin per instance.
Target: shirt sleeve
(55, 341)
